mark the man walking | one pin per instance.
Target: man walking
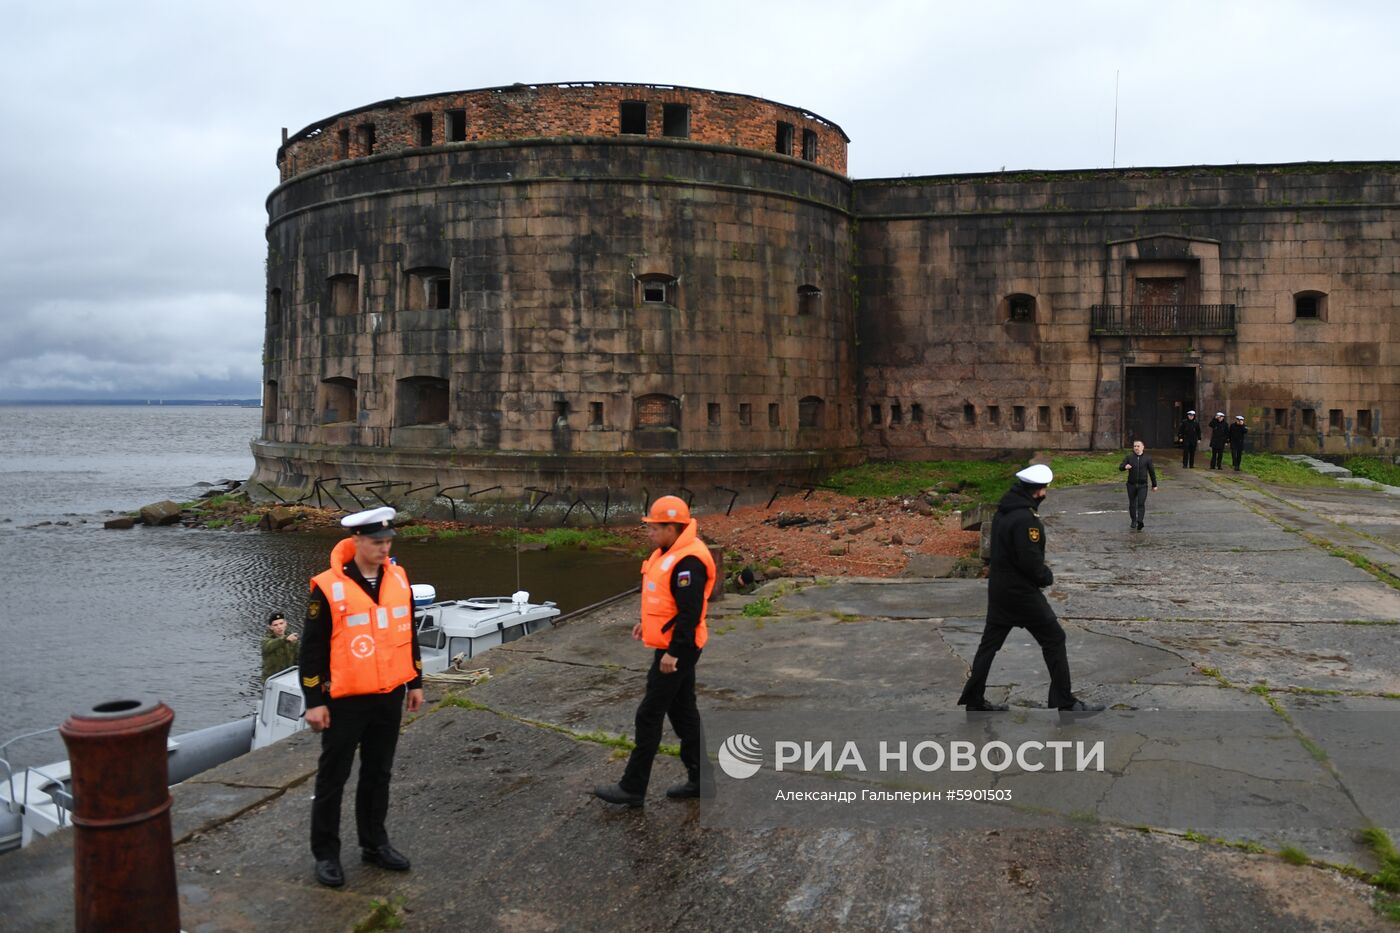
(1190, 434)
(359, 666)
(1016, 577)
(1237, 431)
(1140, 471)
(676, 583)
(1219, 434)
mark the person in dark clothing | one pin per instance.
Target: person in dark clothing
(677, 580)
(1014, 598)
(1190, 434)
(1219, 435)
(279, 649)
(360, 666)
(1236, 433)
(1140, 472)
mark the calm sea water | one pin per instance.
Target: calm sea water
(178, 613)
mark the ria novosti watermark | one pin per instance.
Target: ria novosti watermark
(1315, 772)
(740, 756)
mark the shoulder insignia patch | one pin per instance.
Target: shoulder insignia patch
(309, 682)
(313, 610)
(1034, 533)
(683, 578)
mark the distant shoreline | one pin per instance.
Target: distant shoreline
(133, 402)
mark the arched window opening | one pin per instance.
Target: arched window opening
(810, 411)
(657, 288)
(422, 400)
(345, 294)
(428, 287)
(809, 299)
(1310, 306)
(335, 402)
(657, 422)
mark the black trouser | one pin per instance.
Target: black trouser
(1046, 630)
(668, 696)
(1137, 502)
(370, 723)
(1235, 454)
(1188, 454)
(1217, 457)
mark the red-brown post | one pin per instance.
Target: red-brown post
(123, 857)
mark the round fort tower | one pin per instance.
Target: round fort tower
(604, 291)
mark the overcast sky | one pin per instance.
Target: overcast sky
(137, 139)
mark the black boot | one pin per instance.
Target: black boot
(329, 872)
(686, 789)
(385, 856)
(613, 793)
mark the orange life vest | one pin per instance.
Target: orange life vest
(658, 605)
(371, 642)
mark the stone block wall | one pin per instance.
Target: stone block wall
(938, 258)
(541, 111)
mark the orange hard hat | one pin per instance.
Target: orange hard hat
(668, 509)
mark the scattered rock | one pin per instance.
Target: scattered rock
(914, 540)
(896, 538)
(161, 513)
(860, 527)
(923, 508)
(277, 518)
(840, 550)
(121, 523)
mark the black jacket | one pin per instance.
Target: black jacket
(1139, 469)
(1190, 431)
(1236, 433)
(1219, 431)
(688, 580)
(1017, 572)
(315, 659)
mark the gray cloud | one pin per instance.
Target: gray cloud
(140, 137)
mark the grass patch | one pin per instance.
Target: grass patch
(1271, 468)
(214, 502)
(218, 523)
(724, 630)
(582, 538)
(414, 531)
(1355, 559)
(1380, 845)
(1371, 621)
(383, 915)
(1083, 469)
(461, 702)
(763, 606)
(981, 480)
(1294, 855)
(1214, 674)
(1374, 468)
(252, 518)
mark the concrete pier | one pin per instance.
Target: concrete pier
(1235, 597)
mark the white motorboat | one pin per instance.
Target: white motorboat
(36, 801)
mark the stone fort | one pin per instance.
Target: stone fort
(605, 291)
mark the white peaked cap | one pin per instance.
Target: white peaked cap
(1191, 411)
(369, 517)
(1036, 475)
(1239, 417)
(1220, 414)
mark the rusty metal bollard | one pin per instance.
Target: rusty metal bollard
(123, 856)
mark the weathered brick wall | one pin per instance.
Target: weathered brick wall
(545, 243)
(937, 256)
(555, 110)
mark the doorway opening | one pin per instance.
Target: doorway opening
(1155, 400)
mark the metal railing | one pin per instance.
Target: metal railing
(1163, 320)
(60, 797)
